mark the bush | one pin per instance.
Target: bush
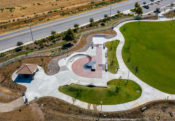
(91, 20)
(66, 46)
(102, 24)
(19, 43)
(36, 42)
(2, 54)
(53, 32)
(18, 49)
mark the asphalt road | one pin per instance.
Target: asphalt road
(9, 40)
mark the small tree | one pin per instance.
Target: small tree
(19, 43)
(69, 35)
(138, 9)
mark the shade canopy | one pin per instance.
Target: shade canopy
(27, 69)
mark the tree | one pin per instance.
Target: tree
(69, 35)
(19, 43)
(138, 9)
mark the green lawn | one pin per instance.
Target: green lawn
(117, 92)
(111, 56)
(150, 47)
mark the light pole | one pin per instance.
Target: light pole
(101, 102)
(31, 32)
(110, 10)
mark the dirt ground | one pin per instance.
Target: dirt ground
(53, 109)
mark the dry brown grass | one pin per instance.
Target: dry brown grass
(36, 11)
(29, 7)
(170, 14)
(53, 109)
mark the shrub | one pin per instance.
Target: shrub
(102, 24)
(91, 20)
(36, 42)
(2, 54)
(76, 27)
(19, 43)
(66, 46)
(18, 49)
(53, 32)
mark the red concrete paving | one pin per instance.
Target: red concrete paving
(78, 65)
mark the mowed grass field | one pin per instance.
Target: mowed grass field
(111, 56)
(117, 92)
(149, 52)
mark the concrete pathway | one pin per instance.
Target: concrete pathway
(45, 85)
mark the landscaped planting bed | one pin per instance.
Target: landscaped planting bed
(118, 91)
(111, 56)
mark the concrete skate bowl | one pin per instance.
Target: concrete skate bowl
(77, 64)
(72, 59)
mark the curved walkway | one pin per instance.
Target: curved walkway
(45, 85)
